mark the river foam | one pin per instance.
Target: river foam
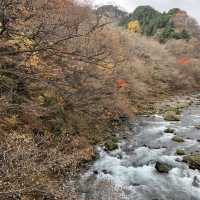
(132, 175)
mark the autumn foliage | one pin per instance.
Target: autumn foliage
(134, 26)
(184, 61)
(68, 78)
(121, 84)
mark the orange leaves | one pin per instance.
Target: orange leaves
(34, 60)
(184, 61)
(121, 84)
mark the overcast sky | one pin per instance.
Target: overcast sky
(191, 6)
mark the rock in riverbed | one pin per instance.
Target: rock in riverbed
(178, 139)
(196, 182)
(162, 167)
(193, 161)
(169, 130)
(197, 127)
(171, 116)
(180, 152)
(111, 146)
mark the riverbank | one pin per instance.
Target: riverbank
(125, 131)
(130, 171)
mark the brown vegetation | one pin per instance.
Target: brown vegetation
(66, 78)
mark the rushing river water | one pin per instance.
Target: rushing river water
(129, 173)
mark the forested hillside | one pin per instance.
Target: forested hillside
(68, 78)
(175, 24)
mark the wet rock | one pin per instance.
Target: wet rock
(171, 116)
(105, 171)
(197, 127)
(193, 161)
(124, 137)
(135, 184)
(162, 167)
(178, 160)
(178, 139)
(196, 182)
(124, 118)
(119, 156)
(198, 103)
(169, 130)
(111, 144)
(180, 152)
(95, 172)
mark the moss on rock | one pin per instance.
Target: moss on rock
(162, 167)
(169, 130)
(111, 146)
(171, 116)
(178, 139)
(193, 161)
(180, 152)
(112, 143)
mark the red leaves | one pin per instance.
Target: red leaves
(121, 83)
(184, 61)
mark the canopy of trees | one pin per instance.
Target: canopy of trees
(154, 23)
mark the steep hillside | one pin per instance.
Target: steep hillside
(69, 81)
(112, 12)
(175, 24)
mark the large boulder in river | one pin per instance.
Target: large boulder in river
(196, 182)
(171, 116)
(193, 161)
(169, 130)
(162, 167)
(197, 127)
(180, 152)
(178, 139)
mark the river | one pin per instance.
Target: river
(129, 173)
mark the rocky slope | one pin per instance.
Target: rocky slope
(112, 12)
(175, 24)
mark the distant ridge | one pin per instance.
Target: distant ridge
(113, 12)
(174, 24)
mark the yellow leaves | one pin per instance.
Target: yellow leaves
(87, 153)
(49, 93)
(41, 100)
(107, 66)
(11, 121)
(22, 41)
(60, 100)
(134, 26)
(34, 62)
